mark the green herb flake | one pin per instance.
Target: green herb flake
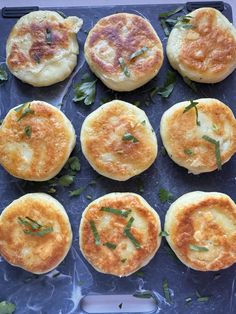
(166, 290)
(73, 163)
(168, 86)
(190, 84)
(163, 17)
(124, 67)
(85, 90)
(51, 190)
(202, 299)
(143, 122)
(197, 248)
(146, 294)
(217, 150)
(95, 232)
(7, 307)
(184, 22)
(76, 192)
(35, 228)
(137, 103)
(28, 130)
(66, 180)
(163, 234)
(138, 53)
(129, 235)
(110, 245)
(123, 260)
(163, 151)
(188, 151)
(129, 137)
(193, 104)
(3, 75)
(48, 36)
(24, 110)
(214, 127)
(120, 212)
(164, 195)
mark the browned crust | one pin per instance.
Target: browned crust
(181, 124)
(217, 45)
(182, 233)
(139, 34)
(40, 50)
(105, 259)
(50, 142)
(48, 250)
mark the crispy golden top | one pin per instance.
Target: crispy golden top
(180, 134)
(118, 36)
(125, 258)
(209, 223)
(103, 144)
(37, 254)
(209, 46)
(40, 155)
(35, 40)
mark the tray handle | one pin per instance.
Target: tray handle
(219, 5)
(15, 12)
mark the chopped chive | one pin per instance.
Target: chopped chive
(129, 137)
(202, 299)
(41, 232)
(120, 212)
(95, 232)
(166, 290)
(193, 104)
(163, 234)
(138, 53)
(76, 192)
(198, 248)
(110, 245)
(147, 294)
(129, 234)
(217, 150)
(28, 131)
(124, 67)
(188, 151)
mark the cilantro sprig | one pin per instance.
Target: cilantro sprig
(85, 90)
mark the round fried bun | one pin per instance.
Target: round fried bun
(124, 51)
(35, 233)
(202, 230)
(119, 233)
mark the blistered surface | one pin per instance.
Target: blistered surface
(61, 290)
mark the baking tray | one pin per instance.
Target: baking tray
(61, 291)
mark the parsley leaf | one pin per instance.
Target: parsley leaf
(124, 67)
(7, 307)
(73, 163)
(66, 180)
(163, 234)
(3, 75)
(76, 192)
(168, 86)
(85, 90)
(165, 196)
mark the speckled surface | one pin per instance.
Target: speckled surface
(53, 293)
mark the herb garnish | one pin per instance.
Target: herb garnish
(28, 131)
(166, 290)
(3, 75)
(129, 137)
(95, 232)
(197, 248)
(123, 260)
(165, 196)
(85, 90)
(214, 127)
(36, 229)
(124, 67)
(201, 298)
(183, 21)
(66, 180)
(163, 17)
(110, 245)
(48, 36)
(76, 192)
(120, 212)
(146, 294)
(217, 149)
(188, 151)
(168, 86)
(163, 151)
(138, 53)
(7, 307)
(129, 234)
(74, 163)
(24, 110)
(193, 104)
(163, 234)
